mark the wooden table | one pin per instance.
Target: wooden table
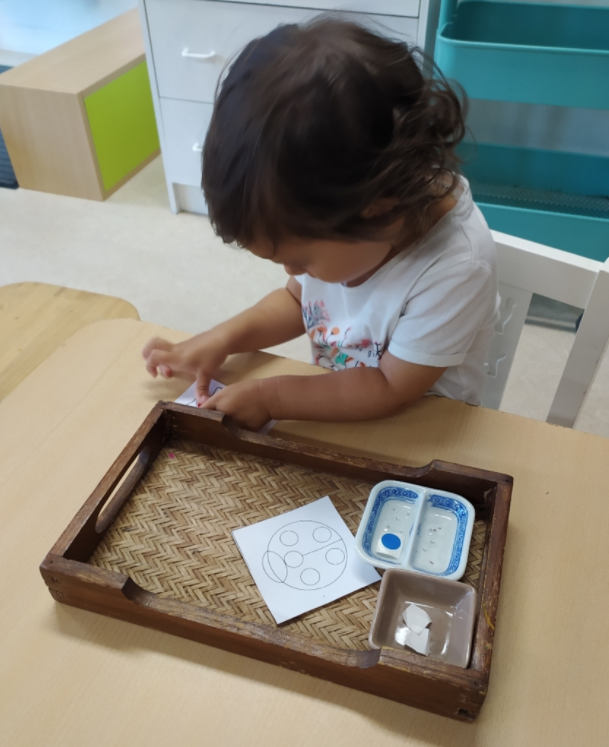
(36, 318)
(69, 677)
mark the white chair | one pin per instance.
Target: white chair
(524, 268)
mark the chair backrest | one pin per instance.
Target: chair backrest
(524, 268)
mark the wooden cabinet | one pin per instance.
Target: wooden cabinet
(189, 43)
(79, 120)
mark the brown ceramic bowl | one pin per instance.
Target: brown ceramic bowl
(451, 606)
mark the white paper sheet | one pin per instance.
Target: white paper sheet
(189, 398)
(303, 559)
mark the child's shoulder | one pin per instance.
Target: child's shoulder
(462, 236)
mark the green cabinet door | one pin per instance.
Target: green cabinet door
(123, 127)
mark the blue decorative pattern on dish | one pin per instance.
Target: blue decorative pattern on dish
(386, 494)
(461, 512)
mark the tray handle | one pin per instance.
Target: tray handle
(121, 492)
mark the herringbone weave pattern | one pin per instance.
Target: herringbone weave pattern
(173, 536)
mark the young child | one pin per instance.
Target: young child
(328, 152)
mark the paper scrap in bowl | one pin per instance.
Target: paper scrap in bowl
(416, 634)
(416, 618)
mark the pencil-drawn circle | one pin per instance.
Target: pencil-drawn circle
(310, 577)
(288, 538)
(293, 559)
(335, 556)
(297, 557)
(275, 567)
(322, 534)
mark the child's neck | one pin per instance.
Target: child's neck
(438, 211)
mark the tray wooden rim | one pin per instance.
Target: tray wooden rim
(71, 580)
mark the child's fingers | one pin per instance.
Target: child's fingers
(156, 360)
(213, 402)
(156, 343)
(202, 388)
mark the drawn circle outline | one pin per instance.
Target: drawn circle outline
(335, 542)
(311, 573)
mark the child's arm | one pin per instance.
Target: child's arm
(275, 319)
(354, 394)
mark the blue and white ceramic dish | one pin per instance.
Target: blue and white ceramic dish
(416, 528)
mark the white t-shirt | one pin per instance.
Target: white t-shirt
(435, 304)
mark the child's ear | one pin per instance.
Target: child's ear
(378, 207)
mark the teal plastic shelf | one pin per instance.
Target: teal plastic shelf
(554, 55)
(539, 54)
(557, 199)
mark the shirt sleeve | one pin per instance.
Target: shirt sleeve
(448, 308)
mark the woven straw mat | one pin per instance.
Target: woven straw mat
(173, 536)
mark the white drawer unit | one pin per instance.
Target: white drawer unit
(383, 7)
(192, 40)
(189, 43)
(185, 124)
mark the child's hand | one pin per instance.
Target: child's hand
(200, 357)
(244, 403)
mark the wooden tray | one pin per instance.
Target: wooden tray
(152, 545)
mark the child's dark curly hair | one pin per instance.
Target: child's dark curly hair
(313, 124)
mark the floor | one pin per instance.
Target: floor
(173, 268)
(30, 27)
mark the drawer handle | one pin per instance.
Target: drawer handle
(197, 56)
(198, 148)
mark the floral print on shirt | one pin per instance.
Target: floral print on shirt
(333, 349)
